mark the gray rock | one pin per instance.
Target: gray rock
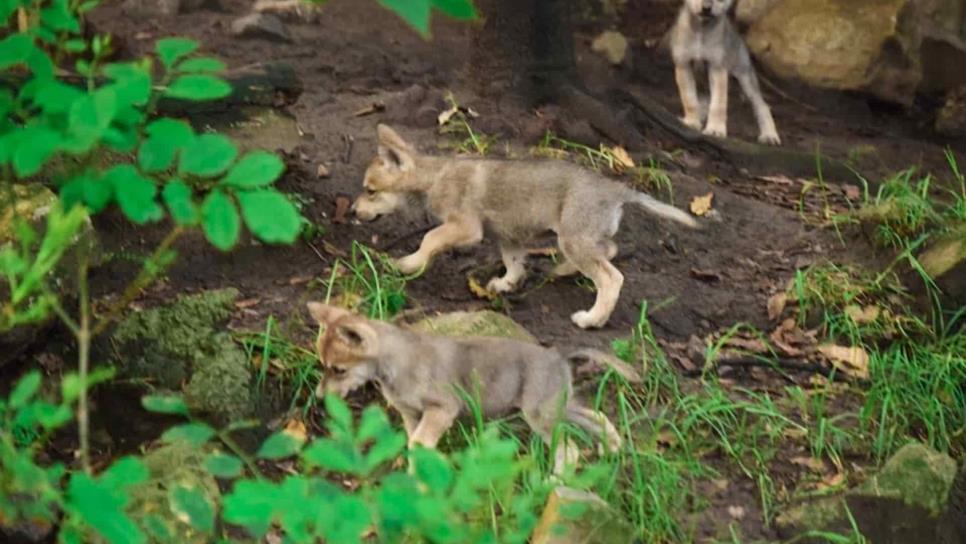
(903, 503)
(749, 11)
(261, 26)
(951, 117)
(482, 323)
(871, 46)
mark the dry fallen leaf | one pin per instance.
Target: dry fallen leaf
(622, 159)
(852, 192)
(811, 463)
(322, 171)
(705, 275)
(478, 289)
(542, 251)
(701, 205)
(779, 179)
(862, 315)
(776, 305)
(445, 116)
(247, 303)
(296, 429)
(852, 360)
(833, 481)
(736, 512)
(371, 108)
(342, 205)
(753, 345)
(299, 280)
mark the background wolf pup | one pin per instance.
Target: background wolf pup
(421, 376)
(704, 33)
(517, 200)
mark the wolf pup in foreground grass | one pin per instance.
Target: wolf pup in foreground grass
(517, 200)
(704, 33)
(427, 378)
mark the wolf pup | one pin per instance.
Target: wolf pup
(516, 200)
(704, 33)
(423, 375)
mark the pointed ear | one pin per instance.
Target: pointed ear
(356, 333)
(324, 314)
(390, 138)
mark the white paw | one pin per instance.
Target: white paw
(693, 122)
(716, 131)
(769, 139)
(499, 285)
(410, 264)
(585, 320)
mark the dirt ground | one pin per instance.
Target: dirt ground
(695, 282)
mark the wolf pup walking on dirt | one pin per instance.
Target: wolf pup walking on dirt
(704, 33)
(517, 200)
(424, 377)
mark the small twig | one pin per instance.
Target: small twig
(771, 85)
(349, 142)
(84, 346)
(148, 273)
(240, 453)
(316, 250)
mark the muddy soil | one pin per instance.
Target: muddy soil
(695, 282)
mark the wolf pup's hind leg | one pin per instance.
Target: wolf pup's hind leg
(591, 260)
(514, 258)
(767, 132)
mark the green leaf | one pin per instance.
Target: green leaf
(58, 17)
(339, 414)
(220, 220)
(414, 12)
(457, 9)
(280, 445)
(191, 504)
(165, 404)
(223, 466)
(270, 216)
(207, 155)
(90, 116)
(93, 192)
(202, 65)
(374, 423)
(165, 138)
(333, 455)
(102, 508)
(125, 471)
(132, 82)
(432, 469)
(15, 49)
(386, 448)
(35, 146)
(25, 389)
(135, 194)
(195, 434)
(171, 49)
(177, 196)
(256, 169)
(198, 87)
(251, 504)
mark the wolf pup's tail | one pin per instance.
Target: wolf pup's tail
(625, 370)
(661, 209)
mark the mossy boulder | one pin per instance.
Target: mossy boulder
(481, 323)
(902, 503)
(872, 46)
(170, 467)
(945, 262)
(183, 347)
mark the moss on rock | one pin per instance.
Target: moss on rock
(182, 344)
(482, 323)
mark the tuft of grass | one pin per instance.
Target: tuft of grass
(467, 140)
(653, 177)
(367, 282)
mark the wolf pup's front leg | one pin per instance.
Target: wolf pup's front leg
(454, 233)
(688, 90)
(718, 109)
